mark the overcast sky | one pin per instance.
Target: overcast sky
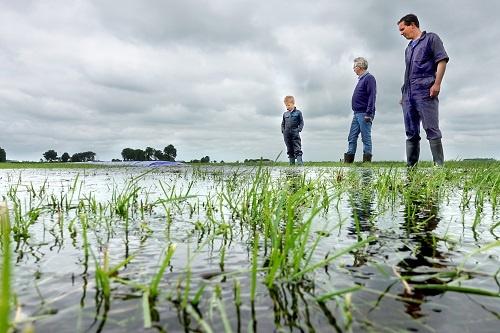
(209, 76)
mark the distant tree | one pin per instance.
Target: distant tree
(65, 157)
(205, 159)
(50, 155)
(128, 154)
(75, 158)
(149, 153)
(3, 155)
(158, 154)
(139, 155)
(83, 157)
(170, 153)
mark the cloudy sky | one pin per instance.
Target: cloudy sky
(209, 76)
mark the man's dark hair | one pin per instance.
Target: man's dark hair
(409, 19)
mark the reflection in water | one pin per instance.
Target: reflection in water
(289, 305)
(361, 201)
(293, 181)
(420, 219)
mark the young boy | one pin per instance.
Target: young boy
(291, 125)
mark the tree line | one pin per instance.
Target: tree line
(169, 153)
(51, 156)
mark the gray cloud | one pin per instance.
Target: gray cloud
(210, 76)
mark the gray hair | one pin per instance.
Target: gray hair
(361, 63)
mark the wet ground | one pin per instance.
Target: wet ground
(428, 259)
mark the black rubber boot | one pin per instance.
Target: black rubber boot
(348, 158)
(412, 152)
(367, 158)
(437, 151)
(292, 161)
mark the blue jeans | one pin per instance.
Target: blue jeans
(359, 125)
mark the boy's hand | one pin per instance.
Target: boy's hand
(368, 119)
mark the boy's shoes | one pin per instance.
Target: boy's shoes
(299, 160)
(292, 161)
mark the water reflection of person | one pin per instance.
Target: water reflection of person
(291, 307)
(421, 217)
(295, 182)
(361, 202)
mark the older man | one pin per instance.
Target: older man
(363, 106)
(426, 60)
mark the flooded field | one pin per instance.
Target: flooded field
(249, 249)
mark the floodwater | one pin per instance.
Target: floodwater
(423, 240)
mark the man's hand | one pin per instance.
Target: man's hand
(434, 91)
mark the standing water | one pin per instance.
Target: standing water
(241, 249)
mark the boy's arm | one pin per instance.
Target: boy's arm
(283, 124)
(301, 122)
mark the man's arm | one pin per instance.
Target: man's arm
(371, 88)
(436, 87)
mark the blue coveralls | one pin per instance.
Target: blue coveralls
(291, 125)
(422, 57)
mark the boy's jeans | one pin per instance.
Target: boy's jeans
(359, 125)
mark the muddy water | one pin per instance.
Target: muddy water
(425, 240)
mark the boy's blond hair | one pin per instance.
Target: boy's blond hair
(289, 98)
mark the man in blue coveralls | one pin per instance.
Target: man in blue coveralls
(426, 60)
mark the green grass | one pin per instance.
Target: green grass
(49, 165)
(277, 213)
(5, 295)
(375, 164)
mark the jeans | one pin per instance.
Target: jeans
(359, 125)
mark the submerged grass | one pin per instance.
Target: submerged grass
(48, 165)
(299, 226)
(5, 295)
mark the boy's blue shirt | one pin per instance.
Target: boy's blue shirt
(292, 120)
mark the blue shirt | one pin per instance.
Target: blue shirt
(364, 95)
(292, 120)
(421, 58)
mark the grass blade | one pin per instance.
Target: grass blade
(6, 268)
(465, 290)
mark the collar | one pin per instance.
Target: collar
(416, 41)
(363, 75)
